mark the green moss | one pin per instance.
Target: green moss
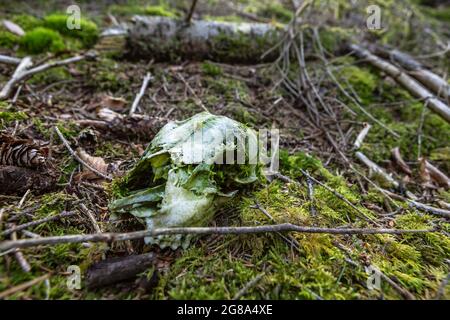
(42, 40)
(50, 76)
(211, 69)
(87, 34)
(26, 22)
(333, 38)
(361, 80)
(160, 10)
(7, 39)
(276, 11)
(9, 116)
(117, 9)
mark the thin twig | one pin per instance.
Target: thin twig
(337, 194)
(36, 222)
(76, 157)
(91, 217)
(191, 11)
(362, 135)
(20, 257)
(23, 74)
(23, 286)
(139, 96)
(111, 237)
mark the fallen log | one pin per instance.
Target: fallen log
(409, 83)
(432, 81)
(117, 269)
(17, 180)
(162, 39)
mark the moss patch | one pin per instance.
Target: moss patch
(41, 40)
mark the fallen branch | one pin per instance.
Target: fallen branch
(420, 206)
(377, 169)
(432, 81)
(112, 237)
(201, 39)
(9, 60)
(24, 64)
(409, 83)
(139, 96)
(23, 73)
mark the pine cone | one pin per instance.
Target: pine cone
(21, 152)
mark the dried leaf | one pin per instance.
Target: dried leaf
(21, 152)
(13, 28)
(113, 103)
(400, 162)
(97, 163)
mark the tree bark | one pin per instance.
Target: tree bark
(163, 39)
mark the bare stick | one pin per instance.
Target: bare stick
(362, 135)
(91, 217)
(36, 222)
(191, 11)
(111, 237)
(409, 83)
(432, 81)
(9, 60)
(139, 96)
(76, 157)
(420, 206)
(23, 286)
(9, 86)
(376, 169)
(24, 74)
(20, 257)
(424, 207)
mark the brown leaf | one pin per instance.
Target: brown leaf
(96, 163)
(13, 28)
(400, 162)
(113, 103)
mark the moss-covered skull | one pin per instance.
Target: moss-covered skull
(184, 171)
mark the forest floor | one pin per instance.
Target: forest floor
(318, 266)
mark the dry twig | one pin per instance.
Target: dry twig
(112, 237)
